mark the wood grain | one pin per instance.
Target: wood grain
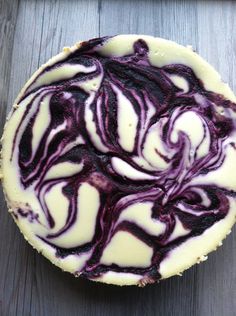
(31, 31)
(217, 43)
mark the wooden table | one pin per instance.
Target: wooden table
(30, 33)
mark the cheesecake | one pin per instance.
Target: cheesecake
(118, 159)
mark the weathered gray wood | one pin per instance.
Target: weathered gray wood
(8, 16)
(31, 33)
(174, 20)
(217, 43)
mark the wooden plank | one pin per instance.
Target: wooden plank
(217, 42)
(174, 20)
(8, 16)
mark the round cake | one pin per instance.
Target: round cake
(119, 159)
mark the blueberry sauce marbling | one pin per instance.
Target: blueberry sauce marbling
(119, 159)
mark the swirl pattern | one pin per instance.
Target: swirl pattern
(123, 162)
